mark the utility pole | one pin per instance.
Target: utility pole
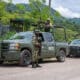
(49, 7)
(49, 3)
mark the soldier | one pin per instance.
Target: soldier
(37, 49)
(48, 25)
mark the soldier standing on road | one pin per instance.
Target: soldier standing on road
(48, 25)
(37, 49)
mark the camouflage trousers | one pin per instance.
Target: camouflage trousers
(35, 55)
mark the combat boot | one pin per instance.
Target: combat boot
(37, 65)
(33, 65)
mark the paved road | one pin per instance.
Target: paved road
(51, 70)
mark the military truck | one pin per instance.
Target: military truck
(20, 48)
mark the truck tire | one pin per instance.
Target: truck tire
(61, 56)
(40, 60)
(1, 62)
(25, 58)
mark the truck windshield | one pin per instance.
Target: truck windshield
(76, 42)
(22, 36)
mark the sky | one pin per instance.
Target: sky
(67, 8)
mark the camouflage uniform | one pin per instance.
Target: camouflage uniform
(48, 26)
(36, 51)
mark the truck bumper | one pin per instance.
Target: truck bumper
(11, 55)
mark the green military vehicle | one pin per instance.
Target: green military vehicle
(19, 48)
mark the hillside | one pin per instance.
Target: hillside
(11, 11)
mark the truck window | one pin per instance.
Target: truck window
(23, 35)
(42, 38)
(48, 37)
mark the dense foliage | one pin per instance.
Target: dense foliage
(33, 12)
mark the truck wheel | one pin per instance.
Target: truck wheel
(1, 62)
(70, 55)
(40, 60)
(61, 56)
(25, 58)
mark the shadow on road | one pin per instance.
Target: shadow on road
(17, 65)
(9, 65)
(49, 61)
(74, 57)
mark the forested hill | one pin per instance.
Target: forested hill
(34, 11)
(23, 8)
(75, 20)
(57, 18)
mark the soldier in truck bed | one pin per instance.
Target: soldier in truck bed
(48, 25)
(45, 26)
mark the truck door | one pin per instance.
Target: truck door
(44, 49)
(50, 44)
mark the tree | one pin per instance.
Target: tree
(10, 1)
(2, 8)
(39, 10)
(21, 9)
(10, 6)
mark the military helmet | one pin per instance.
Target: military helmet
(48, 19)
(36, 31)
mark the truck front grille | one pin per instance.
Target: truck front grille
(75, 49)
(4, 46)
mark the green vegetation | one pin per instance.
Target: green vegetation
(35, 11)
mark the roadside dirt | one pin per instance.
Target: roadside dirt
(50, 70)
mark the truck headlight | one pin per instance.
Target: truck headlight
(14, 46)
(17, 45)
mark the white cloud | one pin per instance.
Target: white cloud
(18, 1)
(67, 8)
(67, 12)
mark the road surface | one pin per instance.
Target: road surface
(50, 70)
